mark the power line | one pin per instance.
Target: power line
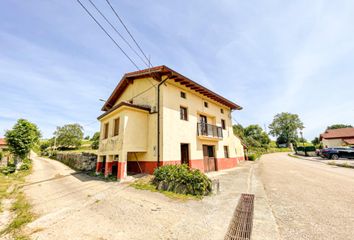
(104, 30)
(120, 35)
(126, 28)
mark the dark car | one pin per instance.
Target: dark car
(335, 153)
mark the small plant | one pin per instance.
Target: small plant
(252, 157)
(182, 179)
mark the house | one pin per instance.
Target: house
(337, 137)
(3, 144)
(157, 116)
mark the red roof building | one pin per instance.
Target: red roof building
(338, 137)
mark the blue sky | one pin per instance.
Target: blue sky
(267, 56)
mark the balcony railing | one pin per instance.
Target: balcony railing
(209, 130)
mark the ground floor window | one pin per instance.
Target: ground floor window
(226, 151)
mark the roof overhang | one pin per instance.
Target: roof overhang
(124, 104)
(157, 73)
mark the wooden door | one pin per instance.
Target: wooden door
(208, 158)
(185, 153)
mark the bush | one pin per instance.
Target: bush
(26, 164)
(182, 179)
(11, 168)
(252, 157)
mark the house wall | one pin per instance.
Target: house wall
(337, 142)
(177, 131)
(136, 144)
(136, 88)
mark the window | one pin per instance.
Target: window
(222, 110)
(206, 104)
(223, 124)
(116, 127)
(183, 113)
(226, 151)
(105, 129)
(183, 95)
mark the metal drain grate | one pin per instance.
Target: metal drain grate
(240, 227)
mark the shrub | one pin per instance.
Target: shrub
(11, 168)
(252, 157)
(182, 179)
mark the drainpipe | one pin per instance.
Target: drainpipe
(158, 120)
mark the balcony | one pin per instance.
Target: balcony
(209, 131)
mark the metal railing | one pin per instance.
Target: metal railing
(209, 130)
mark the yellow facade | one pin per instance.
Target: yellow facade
(135, 147)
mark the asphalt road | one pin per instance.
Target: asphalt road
(309, 200)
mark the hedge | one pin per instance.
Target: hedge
(181, 179)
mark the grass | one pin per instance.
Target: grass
(294, 156)
(21, 207)
(345, 165)
(145, 184)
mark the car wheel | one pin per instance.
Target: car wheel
(334, 157)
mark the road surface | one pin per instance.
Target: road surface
(309, 200)
(77, 206)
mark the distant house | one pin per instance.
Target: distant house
(157, 116)
(3, 144)
(338, 137)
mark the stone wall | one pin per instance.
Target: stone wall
(78, 161)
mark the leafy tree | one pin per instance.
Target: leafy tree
(255, 136)
(69, 136)
(22, 138)
(336, 126)
(87, 137)
(95, 140)
(239, 130)
(315, 141)
(285, 127)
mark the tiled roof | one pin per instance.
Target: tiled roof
(338, 133)
(2, 141)
(157, 72)
(124, 104)
(349, 141)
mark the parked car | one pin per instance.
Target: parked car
(335, 153)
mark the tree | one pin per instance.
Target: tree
(87, 137)
(285, 127)
(255, 136)
(238, 130)
(95, 140)
(315, 141)
(336, 126)
(69, 136)
(22, 138)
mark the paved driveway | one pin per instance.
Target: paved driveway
(76, 206)
(309, 200)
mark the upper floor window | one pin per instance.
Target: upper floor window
(222, 110)
(105, 130)
(206, 104)
(223, 125)
(183, 113)
(116, 127)
(226, 151)
(183, 95)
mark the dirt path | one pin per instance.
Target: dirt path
(76, 206)
(310, 200)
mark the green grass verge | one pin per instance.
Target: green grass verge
(294, 156)
(345, 165)
(20, 208)
(144, 184)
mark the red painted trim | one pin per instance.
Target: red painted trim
(99, 166)
(121, 170)
(197, 164)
